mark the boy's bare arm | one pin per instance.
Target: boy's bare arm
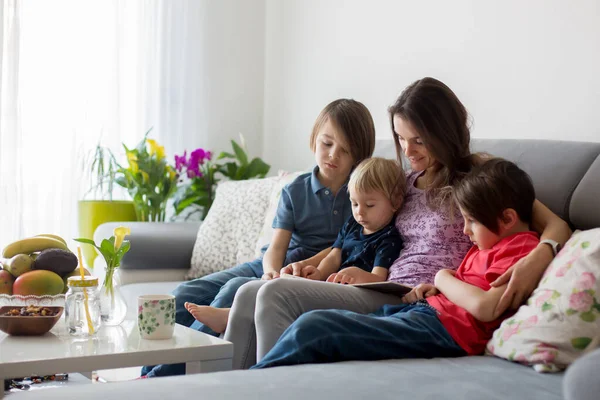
(478, 302)
(296, 267)
(353, 275)
(330, 264)
(275, 254)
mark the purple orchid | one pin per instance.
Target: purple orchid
(181, 161)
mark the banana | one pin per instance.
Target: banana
(53, 237)
(31, 245)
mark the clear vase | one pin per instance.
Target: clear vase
(113, 308)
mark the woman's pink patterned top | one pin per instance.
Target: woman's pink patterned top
(433, 240)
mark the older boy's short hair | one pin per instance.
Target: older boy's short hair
(492, 187)
(380, 174)
(355, 122)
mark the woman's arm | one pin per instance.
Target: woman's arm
(275, 254)
(479, 303)
(524, 276)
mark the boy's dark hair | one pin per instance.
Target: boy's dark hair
(492, 187)
(356, 123)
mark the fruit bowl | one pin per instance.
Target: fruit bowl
(20, 325)
(57, 300)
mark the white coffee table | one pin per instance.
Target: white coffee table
(112, 347)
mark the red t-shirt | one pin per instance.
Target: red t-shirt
(480, 268)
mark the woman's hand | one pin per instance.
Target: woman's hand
(420, 292)
(522, 278)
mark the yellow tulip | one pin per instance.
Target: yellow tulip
(134, 167)
(120, 233)
(131, 156)
(172, 174)
(152, 146)
(145, 177)
(160, 152)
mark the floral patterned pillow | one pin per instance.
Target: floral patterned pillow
(228, 234)
(561, 320)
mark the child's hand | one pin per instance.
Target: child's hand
(291, 268)
(267, 276)
(420, 292)
(311, 272)
(341, 277)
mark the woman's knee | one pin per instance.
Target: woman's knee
(274, 290)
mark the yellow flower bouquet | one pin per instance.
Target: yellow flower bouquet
(148, 178)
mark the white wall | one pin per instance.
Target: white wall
(220, 87)
(524, 69)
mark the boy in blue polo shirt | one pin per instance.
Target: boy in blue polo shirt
(311, 211)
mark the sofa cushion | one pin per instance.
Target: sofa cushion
(466, 378)
(561, 319)
(584, 203)
(228, 235)
(556, 167)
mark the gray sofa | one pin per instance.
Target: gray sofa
(567, 179)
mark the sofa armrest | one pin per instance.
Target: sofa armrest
(155, 245)
(581, 379)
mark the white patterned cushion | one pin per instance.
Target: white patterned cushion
(266, 233)
(228, 235)
(561, 320)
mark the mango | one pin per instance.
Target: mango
(74, 273)
(59, 261)
(6, 282)
(38, 283)
(19, 264)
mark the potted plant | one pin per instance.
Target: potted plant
(101, 169)
(148, 178)
(200, 175)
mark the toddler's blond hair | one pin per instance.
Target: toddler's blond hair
(380, 174)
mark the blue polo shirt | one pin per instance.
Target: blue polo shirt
(379, 249)
(312, 212)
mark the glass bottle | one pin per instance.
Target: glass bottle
(82, 306)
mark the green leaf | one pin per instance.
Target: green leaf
(585, 245)
(597, 307)
(570, 311)
(257, 168)
(581, 343)
(587, 316)
(239, 153)
(86, 241)
(547, 307)
(225, 154)
(108, 246)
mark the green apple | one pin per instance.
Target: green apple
(19, 264)
(6, 282)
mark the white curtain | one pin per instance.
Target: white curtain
(75, 71)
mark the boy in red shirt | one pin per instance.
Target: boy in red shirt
(454, 317)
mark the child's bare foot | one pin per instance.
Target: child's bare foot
(215, 318)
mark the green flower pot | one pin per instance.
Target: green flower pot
(92, 213)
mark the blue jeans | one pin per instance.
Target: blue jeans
(393, 331)
(217, 290)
